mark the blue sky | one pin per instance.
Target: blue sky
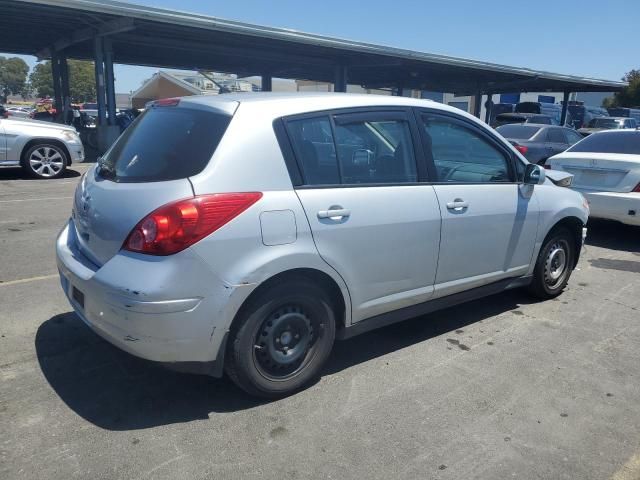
(582, 37)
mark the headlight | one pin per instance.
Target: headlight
(70, 135)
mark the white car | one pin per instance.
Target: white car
(606, 169)
(42, 149)
(18, 112)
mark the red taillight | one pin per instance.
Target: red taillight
(178, 225)
(547, 167)
(166, 102)
(522, 149)
(637, 189)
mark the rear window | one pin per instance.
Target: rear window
(609, 142)
(165, 143)
(519, 132)
(527, 107)
(540, 119)
(604, 123)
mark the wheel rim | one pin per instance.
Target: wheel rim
(555, 265)
(46, 161)
(285, 342)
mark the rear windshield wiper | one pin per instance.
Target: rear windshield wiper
(105, 170)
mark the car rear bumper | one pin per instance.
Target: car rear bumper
(622, 207)
(140, 305)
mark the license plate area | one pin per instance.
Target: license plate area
(77, 296)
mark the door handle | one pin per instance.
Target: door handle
(457, 205)
(334, 213)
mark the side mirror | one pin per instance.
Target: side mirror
(534, 174)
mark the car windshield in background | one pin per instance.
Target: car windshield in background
(604, 123)
(165, 143)
(519, 132)
(610, 142)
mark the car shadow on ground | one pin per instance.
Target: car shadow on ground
(116, 391)
(16, 173)
(613, 235)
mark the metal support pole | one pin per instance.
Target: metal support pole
(340, 82)
(110, 82)
(66, 93)
(100, 92)
(565, 107)
(488, 107)
(57, 86)
(477, 104)
(267, 82)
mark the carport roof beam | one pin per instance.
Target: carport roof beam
(119, 25)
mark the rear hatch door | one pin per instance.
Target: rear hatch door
(147, 167)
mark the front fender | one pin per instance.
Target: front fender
(556, 204)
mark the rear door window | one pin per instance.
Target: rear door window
(555, 135)
(362, 148)
(572, 136)
(375, 150)
(313, 145)
(165, 143)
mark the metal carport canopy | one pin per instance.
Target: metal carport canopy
(142, 35)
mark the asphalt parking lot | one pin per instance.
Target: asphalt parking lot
(498, 388)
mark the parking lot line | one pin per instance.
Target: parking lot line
(27, 280)
(34, 199)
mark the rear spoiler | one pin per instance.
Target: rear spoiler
(559, 178)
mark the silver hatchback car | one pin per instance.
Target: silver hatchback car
(245, 233)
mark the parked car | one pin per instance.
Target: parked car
(583, 114)
(607, 123)
(539, 142)
(625, 112)
(606, 169)
(246, 232)
(499, 108)
(553, 110)
(18, 112)
(3, 112)
(511, 118)
(42, 149)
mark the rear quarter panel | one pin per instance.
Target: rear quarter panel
(237, 252)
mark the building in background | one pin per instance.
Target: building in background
(164, 84)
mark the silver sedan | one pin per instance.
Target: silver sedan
(42, 149)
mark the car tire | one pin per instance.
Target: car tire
(281, 339)
(554, 265)
(45, 161)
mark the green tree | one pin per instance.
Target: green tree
(13, 76)
(628, 96)
(82, 83)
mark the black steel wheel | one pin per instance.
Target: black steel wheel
(281, 339)
(554, 265)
